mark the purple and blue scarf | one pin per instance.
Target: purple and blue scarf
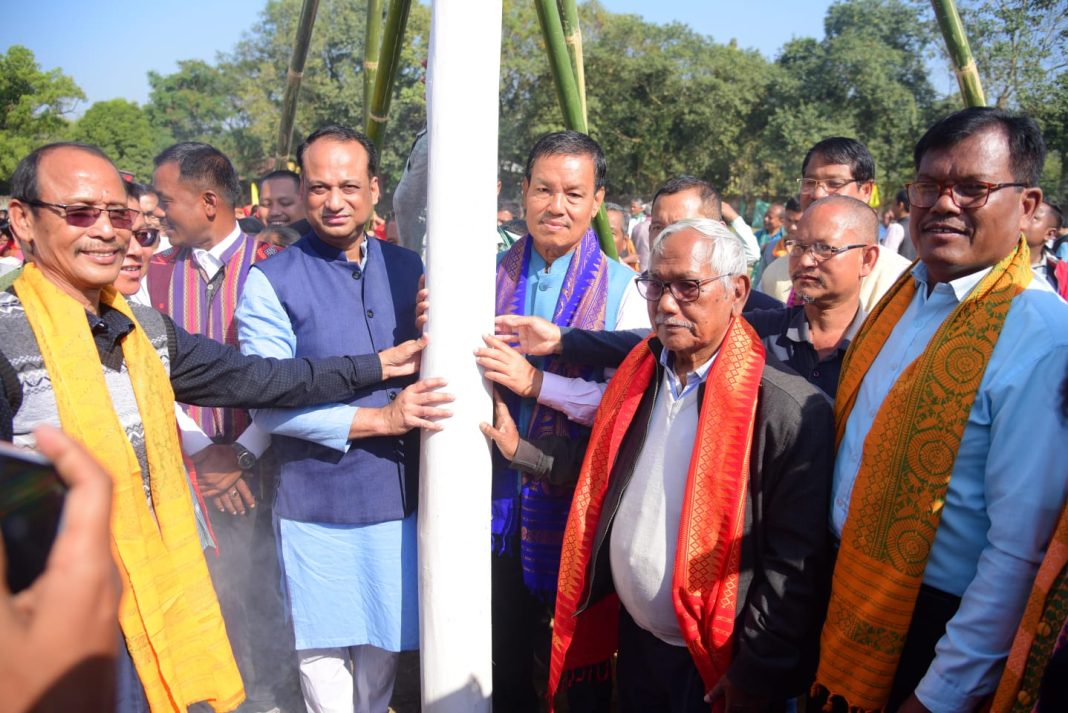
(535, 510)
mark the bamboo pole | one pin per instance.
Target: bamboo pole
(372, 47)
(971, 87)
(567, 93)
(573, 38)
(463, 85)
(293, 77)
(388, 61)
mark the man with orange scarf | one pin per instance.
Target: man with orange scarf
(949, 476)
(73, 353)
(696, 538)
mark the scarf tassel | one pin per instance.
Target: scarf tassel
(599, 672)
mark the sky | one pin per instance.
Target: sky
(109, 47)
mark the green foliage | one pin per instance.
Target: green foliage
(34, 105)
(662, 99)
(123, 130)
(1021, 50)
(866, 79)
(194, 103)
(332, 87)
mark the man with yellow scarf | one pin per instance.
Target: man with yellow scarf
(949, 476)
(73, 353)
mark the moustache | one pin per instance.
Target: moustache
(673, 322)
(815, 276)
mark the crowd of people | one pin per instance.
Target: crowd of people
(814, 465)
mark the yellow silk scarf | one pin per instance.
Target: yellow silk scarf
(904, 472)
(168, 611)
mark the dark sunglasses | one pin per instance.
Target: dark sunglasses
(146, 237)
(84, 216)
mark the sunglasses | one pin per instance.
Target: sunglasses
(84, 216)
(146, 237)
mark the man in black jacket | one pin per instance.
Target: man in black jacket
(700, 535)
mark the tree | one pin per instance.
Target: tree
(122, 130)
(332, 87)
(1021, 50)
(866, 79)
(193, 103)
(34, 106)
(662, 99)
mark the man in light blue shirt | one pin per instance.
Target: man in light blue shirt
(976, 184)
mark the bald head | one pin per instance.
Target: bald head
(852, 216)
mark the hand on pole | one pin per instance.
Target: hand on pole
(503, 431)
(530, 335)
(507, 367)
(422, 304)
(415, 407)
(403, 359)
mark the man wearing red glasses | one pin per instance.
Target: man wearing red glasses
(199, 283)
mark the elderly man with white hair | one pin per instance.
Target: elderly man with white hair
(696, 545)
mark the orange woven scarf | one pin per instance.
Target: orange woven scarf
(904, 473)
(1043, 623)
(713, 515)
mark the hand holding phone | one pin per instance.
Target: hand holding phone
(58, 637)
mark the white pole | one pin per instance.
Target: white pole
(454, 492)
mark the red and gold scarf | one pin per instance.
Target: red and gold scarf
(713, 515)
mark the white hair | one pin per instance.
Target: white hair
(726, 255)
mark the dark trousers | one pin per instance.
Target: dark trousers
(522, 641)
(934, 608)
(653, 676)
(247, 580)
(129, 692)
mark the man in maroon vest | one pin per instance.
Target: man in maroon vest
(198, 283)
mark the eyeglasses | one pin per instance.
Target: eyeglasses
(808, 186)
(84, 216)
(820, 251)
(683, 291)
(967, 194)
(146, 237)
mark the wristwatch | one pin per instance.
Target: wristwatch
(245, 459)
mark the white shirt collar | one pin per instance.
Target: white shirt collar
(211, 260)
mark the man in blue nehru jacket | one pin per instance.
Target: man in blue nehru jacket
(345, 506)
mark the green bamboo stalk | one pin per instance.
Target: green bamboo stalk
(573, 37)
(372, 47)
(388, 61)
(293, 77)
(971, 87)
(552, 31)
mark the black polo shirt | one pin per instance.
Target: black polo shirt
(786, 335)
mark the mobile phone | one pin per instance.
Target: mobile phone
(31, 505)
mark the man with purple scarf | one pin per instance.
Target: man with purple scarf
(198, 283)
(557, 271)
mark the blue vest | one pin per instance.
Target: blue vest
(335, 309)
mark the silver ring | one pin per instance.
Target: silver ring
(234, 491)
